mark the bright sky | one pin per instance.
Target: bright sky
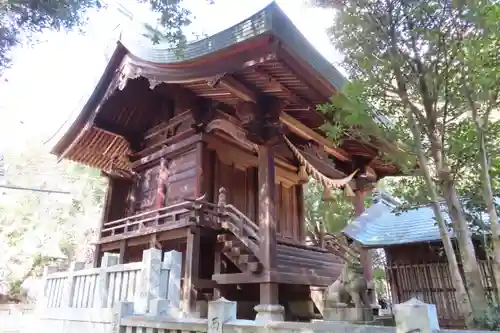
(51, 80)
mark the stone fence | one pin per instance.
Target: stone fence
(411, 317)
(144, 297)
(81, 300)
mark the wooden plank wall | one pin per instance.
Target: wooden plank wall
(120, 189)
(181, 181)
(421, 271)
(242, 186)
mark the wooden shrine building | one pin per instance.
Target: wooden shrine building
(232, 123)
(416, 264)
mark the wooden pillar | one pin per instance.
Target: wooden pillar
(191, 267)
(123, 251)
(302, 214)
(200, 187)
(217, 270)
(96, 261)
(365, 254)
(267, 220)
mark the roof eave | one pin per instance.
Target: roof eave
(95, 98)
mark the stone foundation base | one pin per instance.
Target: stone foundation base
(269, 312)
(353, 315)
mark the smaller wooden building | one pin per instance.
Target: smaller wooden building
(416, 264)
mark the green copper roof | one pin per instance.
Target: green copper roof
(270, 21)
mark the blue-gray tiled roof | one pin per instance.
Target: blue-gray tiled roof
(380, 226)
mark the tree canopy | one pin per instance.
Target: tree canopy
(20, 20)
(38, 227)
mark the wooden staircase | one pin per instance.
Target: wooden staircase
(239, 254)
(240, 237)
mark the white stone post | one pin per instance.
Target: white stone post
(414, 316)
(150, 280)
(173, 262)
(220, 312)
(101, 296)
(122, 309)
(43, 294)
(69, 286)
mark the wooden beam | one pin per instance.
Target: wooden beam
(305, 132)
(292, 96)
(104, 219)
(267, 206)
(235, 87)
(133, 138)
(173, 149)
(267, 220)
(123, 251)
(191, 267)
(273, 277)
(217, 271)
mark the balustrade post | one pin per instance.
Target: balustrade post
(414, 316)
(67, 297)
(122, 309)
(150, 280)
(220, 312)
(101, 297)
(43, 296)
(221, 206)
(173, 260)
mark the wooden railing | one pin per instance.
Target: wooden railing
(171, 215)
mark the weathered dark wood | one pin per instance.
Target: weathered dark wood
(134, 138)
(104, 218)
(191, 267)
(275, 277)
(232, 85)
(365, 255)
(267, 207)
(307, 133)
(123, 251)
(267, 221)
(201, 186)
(217, 271)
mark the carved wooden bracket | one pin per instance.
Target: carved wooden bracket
(232, 130)
(261, 120)
(203, 116)
(315, 150)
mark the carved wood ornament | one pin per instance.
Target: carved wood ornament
(232, 130)
(161, 191)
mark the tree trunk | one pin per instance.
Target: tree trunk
(459, 222)
(460, 291)
(490, 205)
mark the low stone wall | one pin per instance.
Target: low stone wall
(15, 318)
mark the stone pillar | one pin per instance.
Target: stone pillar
(414, 316)
(67, 297)
(122, 309)
(220, 312)
(173, 260)
(150, 283)
(101, 299)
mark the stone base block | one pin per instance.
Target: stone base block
(269, 312)
(353, 315)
